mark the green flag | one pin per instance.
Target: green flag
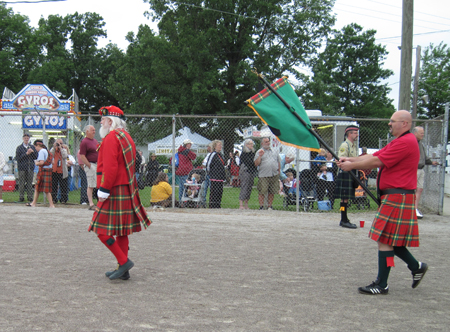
(281, 120)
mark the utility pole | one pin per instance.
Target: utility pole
(416, 82)
(404, 100)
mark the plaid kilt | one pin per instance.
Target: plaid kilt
(116, 215)
(344, 186)
(395, 223)
(44, 180)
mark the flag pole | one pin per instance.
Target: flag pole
(320, 139)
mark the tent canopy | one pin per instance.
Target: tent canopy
(164, 145)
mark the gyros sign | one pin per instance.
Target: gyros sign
(52, 121)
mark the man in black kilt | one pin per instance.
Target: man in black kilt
(344, 184)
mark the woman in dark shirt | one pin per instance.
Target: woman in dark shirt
(246, 173)
(215, 167)
(152, 170)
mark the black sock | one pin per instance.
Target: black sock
(344, 212)
(406, 256)
(383, 268)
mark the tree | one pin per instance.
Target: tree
(209, 48)
(201, 61)
(434, 81)
(71, 60)
(18, 49)
(346, 76)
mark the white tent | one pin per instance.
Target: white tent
(164, 145)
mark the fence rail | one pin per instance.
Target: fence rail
(157, 134)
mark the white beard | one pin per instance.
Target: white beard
(104, 131)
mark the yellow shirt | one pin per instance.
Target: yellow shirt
(348, 149)
(161, 192)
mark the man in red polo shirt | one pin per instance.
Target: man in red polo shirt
(119, 211)
(395, 226)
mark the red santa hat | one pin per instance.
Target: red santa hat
(111, 111)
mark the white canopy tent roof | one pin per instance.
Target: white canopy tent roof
(164, 145)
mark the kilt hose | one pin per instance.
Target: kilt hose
(44, 180)
(395, 223)
(119, 215)
(344, 186)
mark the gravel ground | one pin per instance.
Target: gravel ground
(205, 270)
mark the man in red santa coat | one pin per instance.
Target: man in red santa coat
(119, 211)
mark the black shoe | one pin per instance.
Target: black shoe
(21, 200)
(261, 207)
(347, 224)
(125, 276)
(374, 289)
(121, 270)
(418, 274)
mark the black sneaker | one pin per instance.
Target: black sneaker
(374, 289)
(125, 276)
(261, 207)
(418, 274)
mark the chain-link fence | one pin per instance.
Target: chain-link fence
(163, 135)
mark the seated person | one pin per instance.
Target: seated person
(291, 183)
(161, 194)
(320, 157)
(192, 191)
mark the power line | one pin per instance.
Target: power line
(382, 18)
(416, 34)
(386, 13)
(216, 10)
(37, 1)
(385, 4)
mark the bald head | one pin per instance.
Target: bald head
(400, 123)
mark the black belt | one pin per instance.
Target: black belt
(421, 167)
(397, 191)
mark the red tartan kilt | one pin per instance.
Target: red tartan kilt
(395, 223)
(44, 180)
(116, 215)
(234, 170)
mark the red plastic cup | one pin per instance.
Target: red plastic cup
(361, 223)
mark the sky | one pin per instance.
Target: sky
(385, 16)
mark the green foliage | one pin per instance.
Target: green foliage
(82, 67)
(434, 81)
(347, 76)
(18, 49)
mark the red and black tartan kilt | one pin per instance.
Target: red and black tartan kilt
(116, 216)
(44, 180)
(344, 186)
(395, 223)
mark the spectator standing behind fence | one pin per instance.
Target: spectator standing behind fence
(44, 176)
(185, 158)
(234, 169)
(143, 164)
(395, 225)
(216, 171)
(424, 160)
(89, 156)
(161, 194)
(268, 173)
(325, 182)
(59, 171)
(83, 181)
(206, 181)
(25, 156)
(344, 186)
(152, 169)
(2, 164)
(247, 173)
